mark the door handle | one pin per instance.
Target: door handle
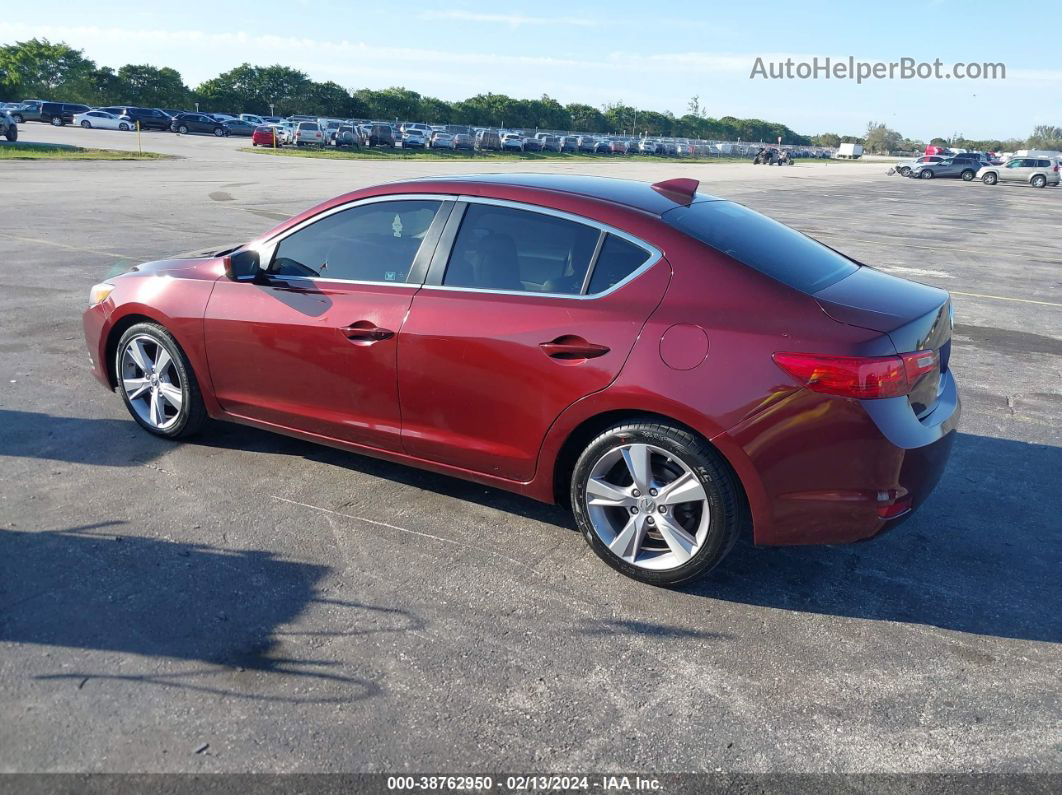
(366, 332)
(570, 347)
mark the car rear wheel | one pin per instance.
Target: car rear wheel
(12, 133)
(968, 175)
(57, 121)
(990, 178)
(183, 130)
(1039, 181)
(123, 126)
(86, 124)
(926, 174)
(655, 502)
(219, 132)
(905, 171)
(157, 383)
(18, 119)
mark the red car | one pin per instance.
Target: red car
(675, 367)
(264, 136)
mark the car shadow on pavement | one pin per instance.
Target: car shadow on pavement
(77, 440)
(94, 588)
(982, 556)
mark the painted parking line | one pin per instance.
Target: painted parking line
(1006, 298)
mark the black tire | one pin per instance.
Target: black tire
(990, 178)
(12, 133)
(123, 126)
(86, 124)
(57, 121)
(926, 174)
(193, 412)
(18, 118)
(183, 129)
(727, 513)
(219, 132)
(1039, 181)
(968, 175)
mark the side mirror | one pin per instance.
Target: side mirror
(242, 266)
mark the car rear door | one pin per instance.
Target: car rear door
(525, 312)
(311, 345)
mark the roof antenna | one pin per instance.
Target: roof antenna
(681, 190)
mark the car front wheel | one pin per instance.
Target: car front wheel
(157, 383)
(990, 178)
(905, 172)
(968, 175)
(219, 132)
(86, 124)
(655, 502)
(124, 127)
(57, 121)
(927, 174)
(183, 130)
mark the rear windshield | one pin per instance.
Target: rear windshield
(761, 243)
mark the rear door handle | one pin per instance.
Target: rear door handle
(365, 332)
(570, 346)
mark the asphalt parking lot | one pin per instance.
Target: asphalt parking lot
(249, 602)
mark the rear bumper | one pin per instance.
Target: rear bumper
(833, 470)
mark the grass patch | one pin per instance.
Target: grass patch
(380, 153)
(18, 150)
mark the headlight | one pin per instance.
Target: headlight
(99, 293)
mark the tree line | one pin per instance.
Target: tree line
(880, 139)
(39, 69)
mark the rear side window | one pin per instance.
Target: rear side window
(501, 248)
(374, 242)
(755, 240)
(618, 260)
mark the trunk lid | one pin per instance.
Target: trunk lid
(916, 317)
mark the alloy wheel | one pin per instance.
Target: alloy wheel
(151, 382)
(647, 506)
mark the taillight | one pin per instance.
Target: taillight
(863, 377)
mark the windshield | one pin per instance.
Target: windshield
(755, 240)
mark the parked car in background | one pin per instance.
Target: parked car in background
(464, 141)
(512, 142)
(827, 416)
(103, 120)
(59, 113)
(254, 119)
(27, 110)
(647, 146)
(346, 135)
(551, 143)
(8, 126)
(570, 143)
(488, 141)
(414, 138)
(239, 127)
(222, 116)
(149, 118)
(587, 143)
(380, 135)
(309, 133)
(265, 135)
(617, 147)
(904, 167)
(963, 169)
(532, 144)
(185, 123)
(442, 140)
(1036, 171)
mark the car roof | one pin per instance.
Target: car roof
(631, 193)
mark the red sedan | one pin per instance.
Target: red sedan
(264, 136)
(676, 368)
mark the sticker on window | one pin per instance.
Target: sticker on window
(396, 226)
(390, 276)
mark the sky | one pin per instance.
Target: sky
(648, 54)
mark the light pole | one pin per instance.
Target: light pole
(271, 112)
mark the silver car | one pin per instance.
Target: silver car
(950, 167)
(1036, 171)
(904, 167)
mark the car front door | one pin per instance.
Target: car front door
(1014, 171)
(311, 344)
(509, 330)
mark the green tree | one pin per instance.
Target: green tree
(1045, 136)
(826, 139)
(586, 118)
(41, 70)
(151, 87)
(328, 99)
(253, 89)
(882, 140)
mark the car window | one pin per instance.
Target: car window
(763, 244)
(618, 259)
(502, 248)
(370, 243)
(1043, 163)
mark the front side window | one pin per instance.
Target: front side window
(374, 242)
(501, 248)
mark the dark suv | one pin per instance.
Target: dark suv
(198, 122)
(54, 113)
(149, 118)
